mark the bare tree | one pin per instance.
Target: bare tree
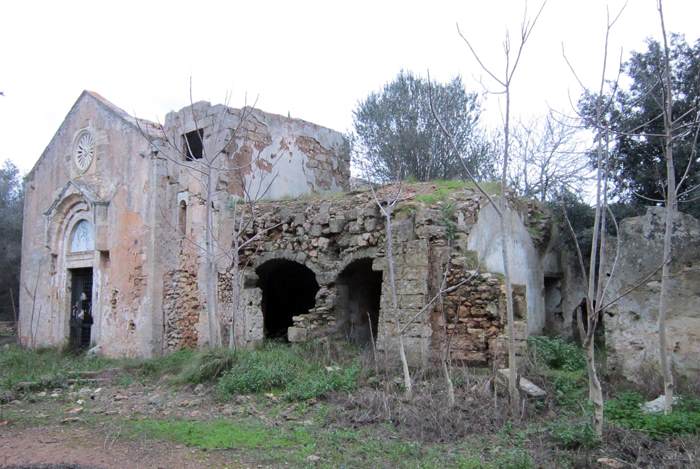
(504, 82)
(386, 207)
(596, 282)
(671, 133)
(546, 159)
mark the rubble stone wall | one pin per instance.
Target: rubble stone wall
(328, 234)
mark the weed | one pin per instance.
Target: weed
(447, 213)
(44, 368)
(207, 366)
(557, 353)
(171, 364)
(625, 411)
(285, 369)
(574, 435)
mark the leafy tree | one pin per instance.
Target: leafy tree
(636, 118)
(11, 205)
(396, 135)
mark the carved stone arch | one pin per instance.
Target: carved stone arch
(61, 222)
(75, 201)
(293, 256)
(368, 253)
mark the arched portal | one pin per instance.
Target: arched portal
(288, 289)
(359, 291)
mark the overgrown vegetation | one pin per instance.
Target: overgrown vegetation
(563, 365)
(288, 370)
(625, 410)
(314, 399)
(43, 367)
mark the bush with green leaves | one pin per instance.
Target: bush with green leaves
(574, 435)
(625, 410)
(557, 353)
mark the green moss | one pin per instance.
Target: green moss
(444, 188)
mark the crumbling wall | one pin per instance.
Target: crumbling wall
(328, 234)
(631, 322)
(182, 305)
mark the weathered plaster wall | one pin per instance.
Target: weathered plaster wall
(631, 323)
(526, 261)
(277, 156)
(113, 195)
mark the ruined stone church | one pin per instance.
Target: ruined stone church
(118, 209)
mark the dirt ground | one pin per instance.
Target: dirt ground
(70, 446)
(80, 428)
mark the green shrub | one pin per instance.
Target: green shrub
(625, 411)
(285, 369)
(513, 458)
(574, 435)
(557, 353)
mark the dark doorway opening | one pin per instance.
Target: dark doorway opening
(553, 312)
(288, 289)
(359, 290)
(80, 308)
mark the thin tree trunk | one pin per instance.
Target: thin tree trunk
(394, 300)
(670, 216)
(505, 250)
(595, 391)
(211, 280)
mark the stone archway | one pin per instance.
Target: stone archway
(288, 289)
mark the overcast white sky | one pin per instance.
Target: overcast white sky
(313, 59)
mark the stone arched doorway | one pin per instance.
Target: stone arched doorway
(79, 259)
(288, 289)
(359, 290)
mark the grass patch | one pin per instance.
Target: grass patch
(48, 367)
(221, 434)
(207, 366)
(171, 364)
(625, 411)
(287, 369)
(444, 188)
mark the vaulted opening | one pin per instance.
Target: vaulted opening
(288, 289)
(359, 290)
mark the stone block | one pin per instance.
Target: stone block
(297, 334)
